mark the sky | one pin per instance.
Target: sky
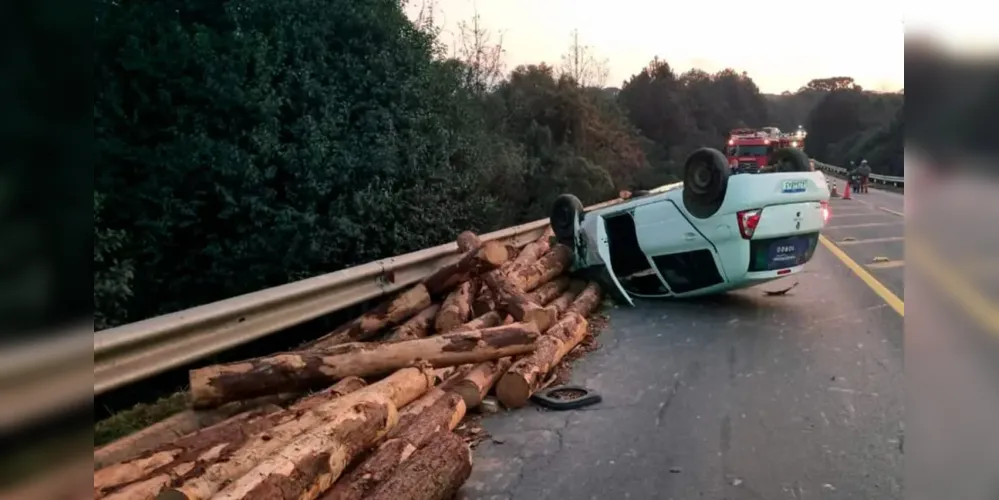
(782, 45)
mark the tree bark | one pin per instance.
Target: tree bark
(552, 264)
(485, 300)
(487, 320)
(201, 479)
(517, 385)
(298, 370)
(520, 306)
(587, 301)
(145, 476)
(457, 308)
(310, 464)
(550, 291)
(417, 327)
(174, 427)
(489, 256)
(535, 249)
(468, 241)
(474, 386)
(443, 415)
(446, 455)
(566, 299)
(413, 410)
(369, 324)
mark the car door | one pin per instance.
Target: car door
(603, 251)
(682, 256)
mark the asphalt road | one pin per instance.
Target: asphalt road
(743, 396)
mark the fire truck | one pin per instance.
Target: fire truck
(751, 150)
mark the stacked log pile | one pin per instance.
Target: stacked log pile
(391, 388)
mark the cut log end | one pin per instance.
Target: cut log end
(494, 254)
(468, 241)
(513, 391)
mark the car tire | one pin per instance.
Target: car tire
(567, 210)
(791, 160)
(705, 180)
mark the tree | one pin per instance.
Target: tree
(581, 64)
(482, 56)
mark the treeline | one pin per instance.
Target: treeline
(246, 143)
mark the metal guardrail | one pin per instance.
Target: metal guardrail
(135, 351)
(887, 180)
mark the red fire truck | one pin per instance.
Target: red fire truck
(749, 150)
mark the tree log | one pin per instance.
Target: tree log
(555, 262)
(457, 308)
(413, 410)
(310, 464)
(443, 415)
(535, 249)
(144, 476)
(490, 319)
(298, 370)
(520, 306)
(565, 301)
(417, 327)
(449, 459)
(526, 375)
(173, 427)
(369, 324)
(468, 241)
(479, 380)
(489, 256)
(550, 291)
(202, 479)
(587, 301)
(483, 302)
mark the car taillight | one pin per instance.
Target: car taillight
(825, 211)
(748, 220)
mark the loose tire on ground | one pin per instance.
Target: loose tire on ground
(567, 210)
(791, 160)
(705, 181)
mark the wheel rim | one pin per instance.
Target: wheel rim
(701, 178)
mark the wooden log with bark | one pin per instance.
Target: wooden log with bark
(474, 386)
(550, 291)
(414, 409)
(488, 320)
(443, 415)
(468, 241)
(445, 455)
(491, 255)
(144, 476)
(484, 300)
(417, 327)
(202, 478)
(555, 262)
(174, 427)
(519, 305)
(457, 308)
(368, 325)
(312, 462)
(517, 385)
(294, 371)
(587, 301)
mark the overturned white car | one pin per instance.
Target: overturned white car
(709, 234)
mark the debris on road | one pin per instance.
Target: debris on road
(496, 321)
(782, 291)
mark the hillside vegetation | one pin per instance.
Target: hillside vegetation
(244, 144)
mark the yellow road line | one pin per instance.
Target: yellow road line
(961, 290)
(871, 240)
(890, 298)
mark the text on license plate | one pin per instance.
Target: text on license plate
(794, 186)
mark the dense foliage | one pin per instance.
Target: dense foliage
(243, 144)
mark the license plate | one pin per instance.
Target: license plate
(785, 253)
(794, 186)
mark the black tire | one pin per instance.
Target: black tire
(791, 160)
(589, 398)
(566, 211)
(705, 180)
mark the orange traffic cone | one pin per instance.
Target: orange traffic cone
(846, 191)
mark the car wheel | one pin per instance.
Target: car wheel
(705, 180)
(567, 210)
(791, 160)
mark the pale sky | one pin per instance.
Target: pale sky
(782, 45)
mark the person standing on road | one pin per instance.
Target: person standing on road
(865, 173)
